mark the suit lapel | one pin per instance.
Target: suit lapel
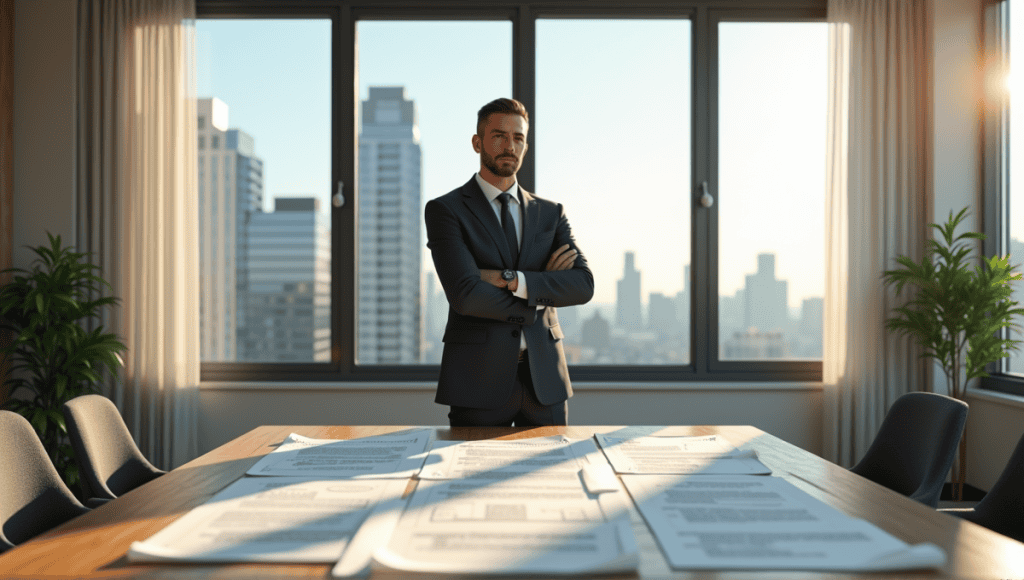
(478, 205)
(531, 220)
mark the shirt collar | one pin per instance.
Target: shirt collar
(492, 193)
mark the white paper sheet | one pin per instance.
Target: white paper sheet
(707, 455)
(502, 459)
(395, 455)
(282, 519)
(748, 522)
(512, 526)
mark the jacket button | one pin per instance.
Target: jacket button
(515, 334)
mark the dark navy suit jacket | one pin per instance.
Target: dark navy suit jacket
(481, 350)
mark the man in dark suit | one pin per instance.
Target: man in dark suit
(506, 259)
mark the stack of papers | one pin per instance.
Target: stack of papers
(281, 519)
(710, 455)
(517, 507)
(540, 456)
(551, 506)
(312, 503)
(523, 525)
(764, 523)
(395, 455)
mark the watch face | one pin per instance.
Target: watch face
(507, 275)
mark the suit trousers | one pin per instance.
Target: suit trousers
(522, 409)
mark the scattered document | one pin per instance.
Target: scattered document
(503, 459)
(708, 455)
(516, 525)
(282, 519)
(395, 455)
(745, 522)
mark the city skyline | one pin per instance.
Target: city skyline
(400, 318)
(236, 63)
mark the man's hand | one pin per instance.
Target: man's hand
(561, 259)
(493, 277)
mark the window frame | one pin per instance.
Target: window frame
(345, 14)
(997, 142)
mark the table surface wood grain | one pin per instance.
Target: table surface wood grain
(94, 545)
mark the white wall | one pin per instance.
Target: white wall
(44, 126)
(994, 425)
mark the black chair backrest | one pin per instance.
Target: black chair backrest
(915, 446)
(109, 462)
(1002, 508)
(33, 498)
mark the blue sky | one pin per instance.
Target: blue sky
(612, 127)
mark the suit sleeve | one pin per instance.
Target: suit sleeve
(460, 274)
(566, 287)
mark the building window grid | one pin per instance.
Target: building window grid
(705, 18)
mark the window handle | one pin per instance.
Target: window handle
(705, 199)
(339, 198)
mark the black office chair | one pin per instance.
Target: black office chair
(1002, 508)
(914, 449)
(109, 462)
(33, 498)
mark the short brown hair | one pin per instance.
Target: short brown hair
(502, 106)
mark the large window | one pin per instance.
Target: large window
(264, 106)
(771, 170)
(1004, 197)
(685, 142)
(614, 148)
(417, 109)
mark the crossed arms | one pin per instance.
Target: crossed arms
(474, 287)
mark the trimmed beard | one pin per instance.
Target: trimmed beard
(492, 165)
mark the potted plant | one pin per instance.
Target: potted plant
(53, 357)
(958, 312)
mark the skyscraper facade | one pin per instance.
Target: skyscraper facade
(628, 309)
(288, 298)
(230, 190)
(766, 297)
(390, 289)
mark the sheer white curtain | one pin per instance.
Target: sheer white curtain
(878, 207)
(137, 207)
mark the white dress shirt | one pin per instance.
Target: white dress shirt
(516, 210)
(492, 194)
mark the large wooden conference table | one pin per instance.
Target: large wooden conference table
(94, 545)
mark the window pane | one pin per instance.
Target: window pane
(771, 179)
(420, 87)
(1015, 193)
(264, 186)
(613, 146)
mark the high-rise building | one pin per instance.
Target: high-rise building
(766, 297)
(661, 314)
(436, 318)
(812, 316)
(754, 344)
(628, 310)
(288, 307)
(596, 332)
(390, 327)
(808, 338)
(230, 190)
(682, 306)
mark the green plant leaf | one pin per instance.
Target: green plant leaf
(53, 358)
(958, 305)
